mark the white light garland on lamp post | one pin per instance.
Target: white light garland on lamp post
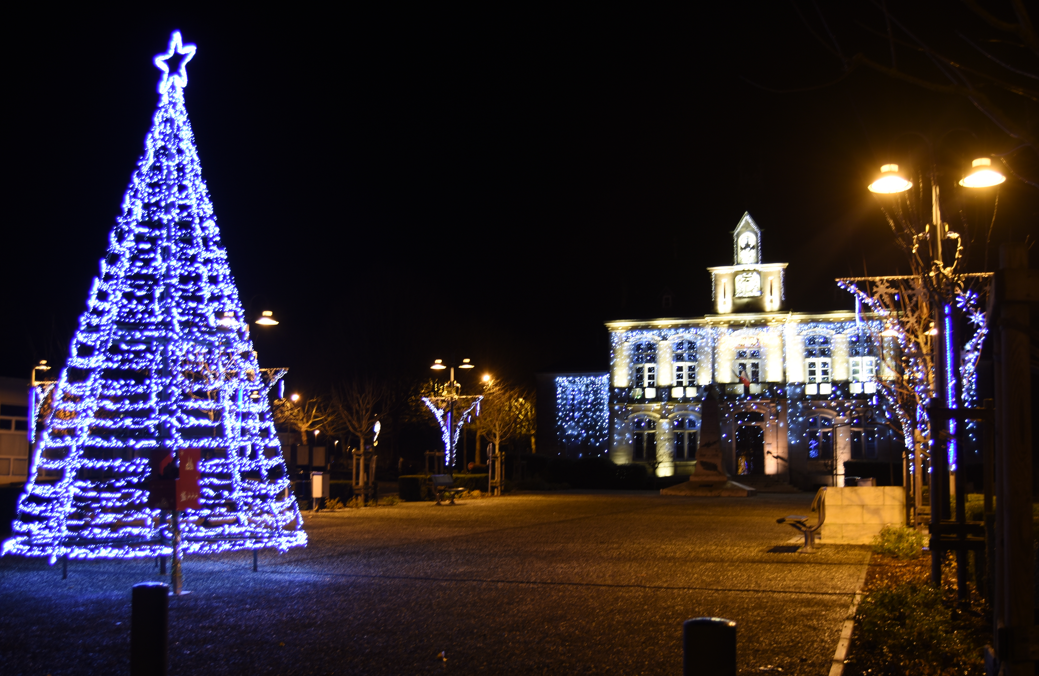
(451, 408)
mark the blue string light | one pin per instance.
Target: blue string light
(161, 361)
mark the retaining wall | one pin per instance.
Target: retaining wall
(855, 514)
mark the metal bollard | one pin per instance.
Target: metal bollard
(709, 647)
(149, 629)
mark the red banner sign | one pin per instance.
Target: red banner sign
(174, 483)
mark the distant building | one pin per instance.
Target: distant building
(14, 430)
(798, 392)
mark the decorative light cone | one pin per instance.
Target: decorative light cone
(982, 175)
(890, 181)
(161, 367)
(267, 319)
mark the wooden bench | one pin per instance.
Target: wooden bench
(443, 485)
(801, 522)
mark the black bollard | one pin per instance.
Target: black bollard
(149, 629)
(709, 647)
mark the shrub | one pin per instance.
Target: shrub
(632, 477)
(535, 484)
(340, 490)
(899, 542)
(471, 482)
(333, 504)
(907, 630)
(593, 473)
(389, 501)
(414, 487)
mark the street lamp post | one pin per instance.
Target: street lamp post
(451, 407)
(940, 281)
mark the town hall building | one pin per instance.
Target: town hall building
(798, 392)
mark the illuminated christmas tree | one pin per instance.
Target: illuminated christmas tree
(160, 364)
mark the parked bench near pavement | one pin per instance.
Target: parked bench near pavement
(443, 485)
(850, 515)
(800, 522)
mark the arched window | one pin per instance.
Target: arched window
(820, 437)
(683, 359)
(818, 364)
(644, 365)
(747, 365)
(862, 361)
(645, 432)
(685, 431)
(864, 435)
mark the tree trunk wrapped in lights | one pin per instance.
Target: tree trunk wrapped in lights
(161, 361)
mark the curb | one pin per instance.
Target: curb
(844, 643)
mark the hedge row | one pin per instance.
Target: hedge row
(598, 473)
(419, 487)
(543, 472)
(341, 490)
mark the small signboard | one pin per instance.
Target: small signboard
(318, 485)
(174, 482)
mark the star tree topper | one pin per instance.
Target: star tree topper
(180, 77)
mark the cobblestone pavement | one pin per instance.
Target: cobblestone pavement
(559, 583)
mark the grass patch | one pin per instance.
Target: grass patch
(899, 542)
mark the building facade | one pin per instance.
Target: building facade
(798, 392)
(14, 431)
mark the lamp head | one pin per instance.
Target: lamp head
(465, 364)
(982, 175)
(890, 181)
(438, 365)
(267, 319)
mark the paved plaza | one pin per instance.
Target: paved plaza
(559, 583)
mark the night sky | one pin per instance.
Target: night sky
(492, 184)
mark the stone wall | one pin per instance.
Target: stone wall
(854, 515)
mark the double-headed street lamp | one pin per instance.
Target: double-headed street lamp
(451, 407)
(981, 175)
(945, 288)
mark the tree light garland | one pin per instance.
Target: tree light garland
(161, 361)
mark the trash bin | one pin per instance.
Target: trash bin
(709, 647)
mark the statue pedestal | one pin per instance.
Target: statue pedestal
(705, 487)
(709, 478)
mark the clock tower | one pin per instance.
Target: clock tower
(748, 285)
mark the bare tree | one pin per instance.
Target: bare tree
(311, 414)
(356, 406)
(967, 52)
(506, 412)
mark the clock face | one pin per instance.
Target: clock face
(747, 249)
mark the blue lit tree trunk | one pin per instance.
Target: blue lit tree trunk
(161, 359)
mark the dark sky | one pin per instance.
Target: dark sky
(492, 184)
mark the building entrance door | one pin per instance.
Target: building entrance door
(750, 450)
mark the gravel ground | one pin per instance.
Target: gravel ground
(575, 582)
